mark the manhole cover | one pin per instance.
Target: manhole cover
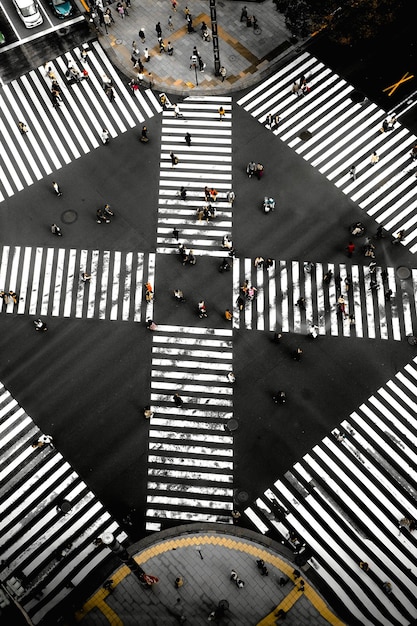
(119, 42)
(357, 97)
(68, 217)
(232, 57)
(242, 496)
(403, 272)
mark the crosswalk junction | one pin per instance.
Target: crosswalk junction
(46, 549)
(58, 135)
(348, 500)
(49, 281)
(332, 132)
(190, 455)
(367, 311)
(207, 162)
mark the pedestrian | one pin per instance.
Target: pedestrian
(254, 22)
(387, 588)
(187, 12)
(55, 230)
(40, 325)
(23, 128)
(170, 24)
(231, 197)
(105, 136)
(268, 263)
(231, 377)
(276, 119)
(269, 120)
(170, 49)
(175, 233)
(146, 55)
(259, 261)
(228, 315)
(142, 35)
(177, 111)
(179, 295)
(296, 355)
(158, 30)
(413, 152)
(174, 159)
(392, 121)
(188, 139)
(398, 237)
(249, 21)
(301, 303)
(13, 296)
(147, 412)
(174, 5)
(57, 188)
(161, 45)
(201, 64)
(144, 135)
(251, 169)
(178, 401)
(384, 126)
(295, 88)
(223, 73)
(120, 9)
(178, 582)
(183, 193)
(244, 14)
(236, 516)
(222, 113)
(150, 79)
(151, 325)
(193, 61)
(374, 158)
(350, 249)
(348, 282)
(277, 338)
(341, 306)
(259, 171)
(372, 267)
(44, 440)
(213, 194)
(352, 172)
(387, 295)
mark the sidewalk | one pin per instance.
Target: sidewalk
(203, 556)
(247, 55)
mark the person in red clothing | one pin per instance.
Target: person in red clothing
(350, 249)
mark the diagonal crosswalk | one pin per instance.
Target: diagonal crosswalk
(58, 136)
(46, 550)
(48, 281)
(332, 132)
(190, 456)
(206, 162)
(347, 500)
(368, 313)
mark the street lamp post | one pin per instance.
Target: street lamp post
(196, 75)
(216, 52)
(116, 547)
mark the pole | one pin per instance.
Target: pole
(111, 542)
(216, 51)
(196, 75)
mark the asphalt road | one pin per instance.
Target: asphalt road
(86, 381)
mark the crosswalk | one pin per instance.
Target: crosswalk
(206, 162)
(46, 549)
(368, 313)
(347, 499)
(190, 454)
(58, 136)
(48, 281)
(332, 132)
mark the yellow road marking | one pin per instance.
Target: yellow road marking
(395, 86)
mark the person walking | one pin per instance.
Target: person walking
(297, 354)
(142, 35)
(231, 197)
(174, 159)
(244, 14)
(57, 189)
(350, 249)
(188, 139)
(223, 73)
(170, 49)
(280, 397)
(222, 113)
(228, 315)
(295, 88)
(170, 24)
(178, 401)
(158, 30)
(55, 230)
(44, 440)
(352, 172)
(183, 193)
(374, 158)
(146, 55)
(177, 111)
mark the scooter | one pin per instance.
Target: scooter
(269, 204)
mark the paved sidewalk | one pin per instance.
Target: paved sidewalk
(246, 54)
(203, 556)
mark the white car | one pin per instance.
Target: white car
(29, 12)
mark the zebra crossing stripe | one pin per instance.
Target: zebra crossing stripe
(206, 162)
(43, 549)
(346, 499)
(331, 132)
(48, 281)
(56, 138)
(190, 452)
(367, 314)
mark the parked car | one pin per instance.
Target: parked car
(61, 8)
(29, 12)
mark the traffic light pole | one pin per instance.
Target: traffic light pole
(216, 52)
